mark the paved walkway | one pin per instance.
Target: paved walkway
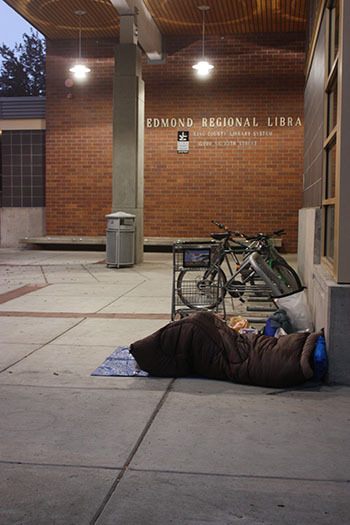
(76, 449)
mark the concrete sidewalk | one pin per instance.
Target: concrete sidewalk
(76, 449)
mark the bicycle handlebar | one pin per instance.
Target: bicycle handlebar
(230, 236)
(279, 232)
(223, 227)
(219, 225)
(256, 237)
(262, 236)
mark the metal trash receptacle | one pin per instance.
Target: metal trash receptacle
(120, 239)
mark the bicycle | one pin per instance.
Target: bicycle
(207, 289)
(263, 243)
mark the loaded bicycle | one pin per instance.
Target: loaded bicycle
(264, 244)
(235, 267)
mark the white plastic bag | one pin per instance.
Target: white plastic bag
(280, 332)
(298, 311)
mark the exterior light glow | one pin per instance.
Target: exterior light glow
(203, 67)
(79, 70)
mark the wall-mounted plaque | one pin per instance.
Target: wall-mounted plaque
(183, 141)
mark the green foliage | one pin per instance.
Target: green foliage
(23, 68)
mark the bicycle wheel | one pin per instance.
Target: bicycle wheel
(198, 289)
(288, 276)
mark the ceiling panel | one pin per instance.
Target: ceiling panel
(56, 18)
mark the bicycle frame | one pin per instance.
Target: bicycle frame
(259, 257)
(207, 287)
(227, 254)
(268, 251)
(238, 278)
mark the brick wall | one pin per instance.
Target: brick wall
(248, 187)
(252, 185)
(78, 141)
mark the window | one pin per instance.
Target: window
(332, 100)
(331, 153)
(23, 168)
(329, 231)
(330, 143)
(333, 31)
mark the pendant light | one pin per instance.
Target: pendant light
(203, 67)
(79, 70)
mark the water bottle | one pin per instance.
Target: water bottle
(320, 359)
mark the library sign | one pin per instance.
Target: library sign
(241, 132)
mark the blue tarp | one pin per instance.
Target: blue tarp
(120, 363)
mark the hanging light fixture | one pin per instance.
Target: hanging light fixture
(203, 67)
(79, 70)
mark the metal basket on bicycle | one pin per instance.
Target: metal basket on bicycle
(190, 292)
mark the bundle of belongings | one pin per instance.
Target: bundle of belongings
(202, 344)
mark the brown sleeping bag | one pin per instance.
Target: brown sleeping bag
(204, 345)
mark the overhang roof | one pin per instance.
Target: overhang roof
(56, 19)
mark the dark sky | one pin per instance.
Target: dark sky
(12, 25)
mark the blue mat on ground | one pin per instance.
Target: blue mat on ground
(120, 363)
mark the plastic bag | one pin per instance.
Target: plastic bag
(320, 360)
(238, 323)
(269, 329)
(278, 319)
(246, 331)
(298, 311)
(280, 332)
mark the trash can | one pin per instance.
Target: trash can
(120, 239)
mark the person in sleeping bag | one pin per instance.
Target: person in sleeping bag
(202, 344)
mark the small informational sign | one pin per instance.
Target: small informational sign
(183, 141)
(196, 257)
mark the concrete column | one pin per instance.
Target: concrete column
(128, 138)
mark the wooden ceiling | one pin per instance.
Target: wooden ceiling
(56, 19)
(175, 17)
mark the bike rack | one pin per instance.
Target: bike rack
(195, 258)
